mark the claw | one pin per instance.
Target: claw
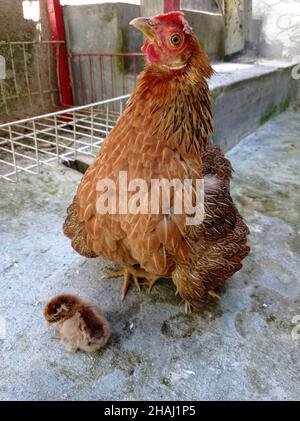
(150, 282)
(125, 284)
(136, 282)
(187, 307)
(113, 274)
(213, 294)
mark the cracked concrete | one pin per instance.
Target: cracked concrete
(239, 348)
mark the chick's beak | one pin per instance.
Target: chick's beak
(144, 26)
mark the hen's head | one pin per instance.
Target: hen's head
(170, 42)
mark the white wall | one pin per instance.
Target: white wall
(277, 26)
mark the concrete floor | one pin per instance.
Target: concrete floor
(239, 348)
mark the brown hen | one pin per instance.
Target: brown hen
(164, 134)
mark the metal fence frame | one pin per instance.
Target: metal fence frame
(27, 145)
(102, 68)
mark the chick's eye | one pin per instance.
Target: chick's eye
(175, 39)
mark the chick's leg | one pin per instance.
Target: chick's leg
(137, 275)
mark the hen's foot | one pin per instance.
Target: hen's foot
(138, 276)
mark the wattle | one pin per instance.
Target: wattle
(149, 49)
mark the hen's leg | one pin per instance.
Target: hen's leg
(139, 277)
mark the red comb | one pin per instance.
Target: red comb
(177, 18)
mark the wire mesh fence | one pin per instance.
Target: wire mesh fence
(27, 145)
(101, 84)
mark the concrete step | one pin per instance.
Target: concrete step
(246, 96)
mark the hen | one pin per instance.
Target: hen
(164, 134)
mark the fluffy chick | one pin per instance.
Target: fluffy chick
(79, 324)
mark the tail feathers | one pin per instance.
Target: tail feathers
(220, 243)
(215, 163)
(220, 211)
(211, 265)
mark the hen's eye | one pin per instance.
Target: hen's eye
(175, 39)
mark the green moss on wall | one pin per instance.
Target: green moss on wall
(107, 17)
(275, 109)
(270, 113)
(123, 47)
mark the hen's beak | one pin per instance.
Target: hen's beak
(143, 25)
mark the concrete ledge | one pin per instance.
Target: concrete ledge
(248, 95)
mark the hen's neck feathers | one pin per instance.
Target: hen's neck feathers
(175, 105)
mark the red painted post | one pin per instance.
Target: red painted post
(170, 5)
(58, 34)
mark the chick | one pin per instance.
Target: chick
(79, 324)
